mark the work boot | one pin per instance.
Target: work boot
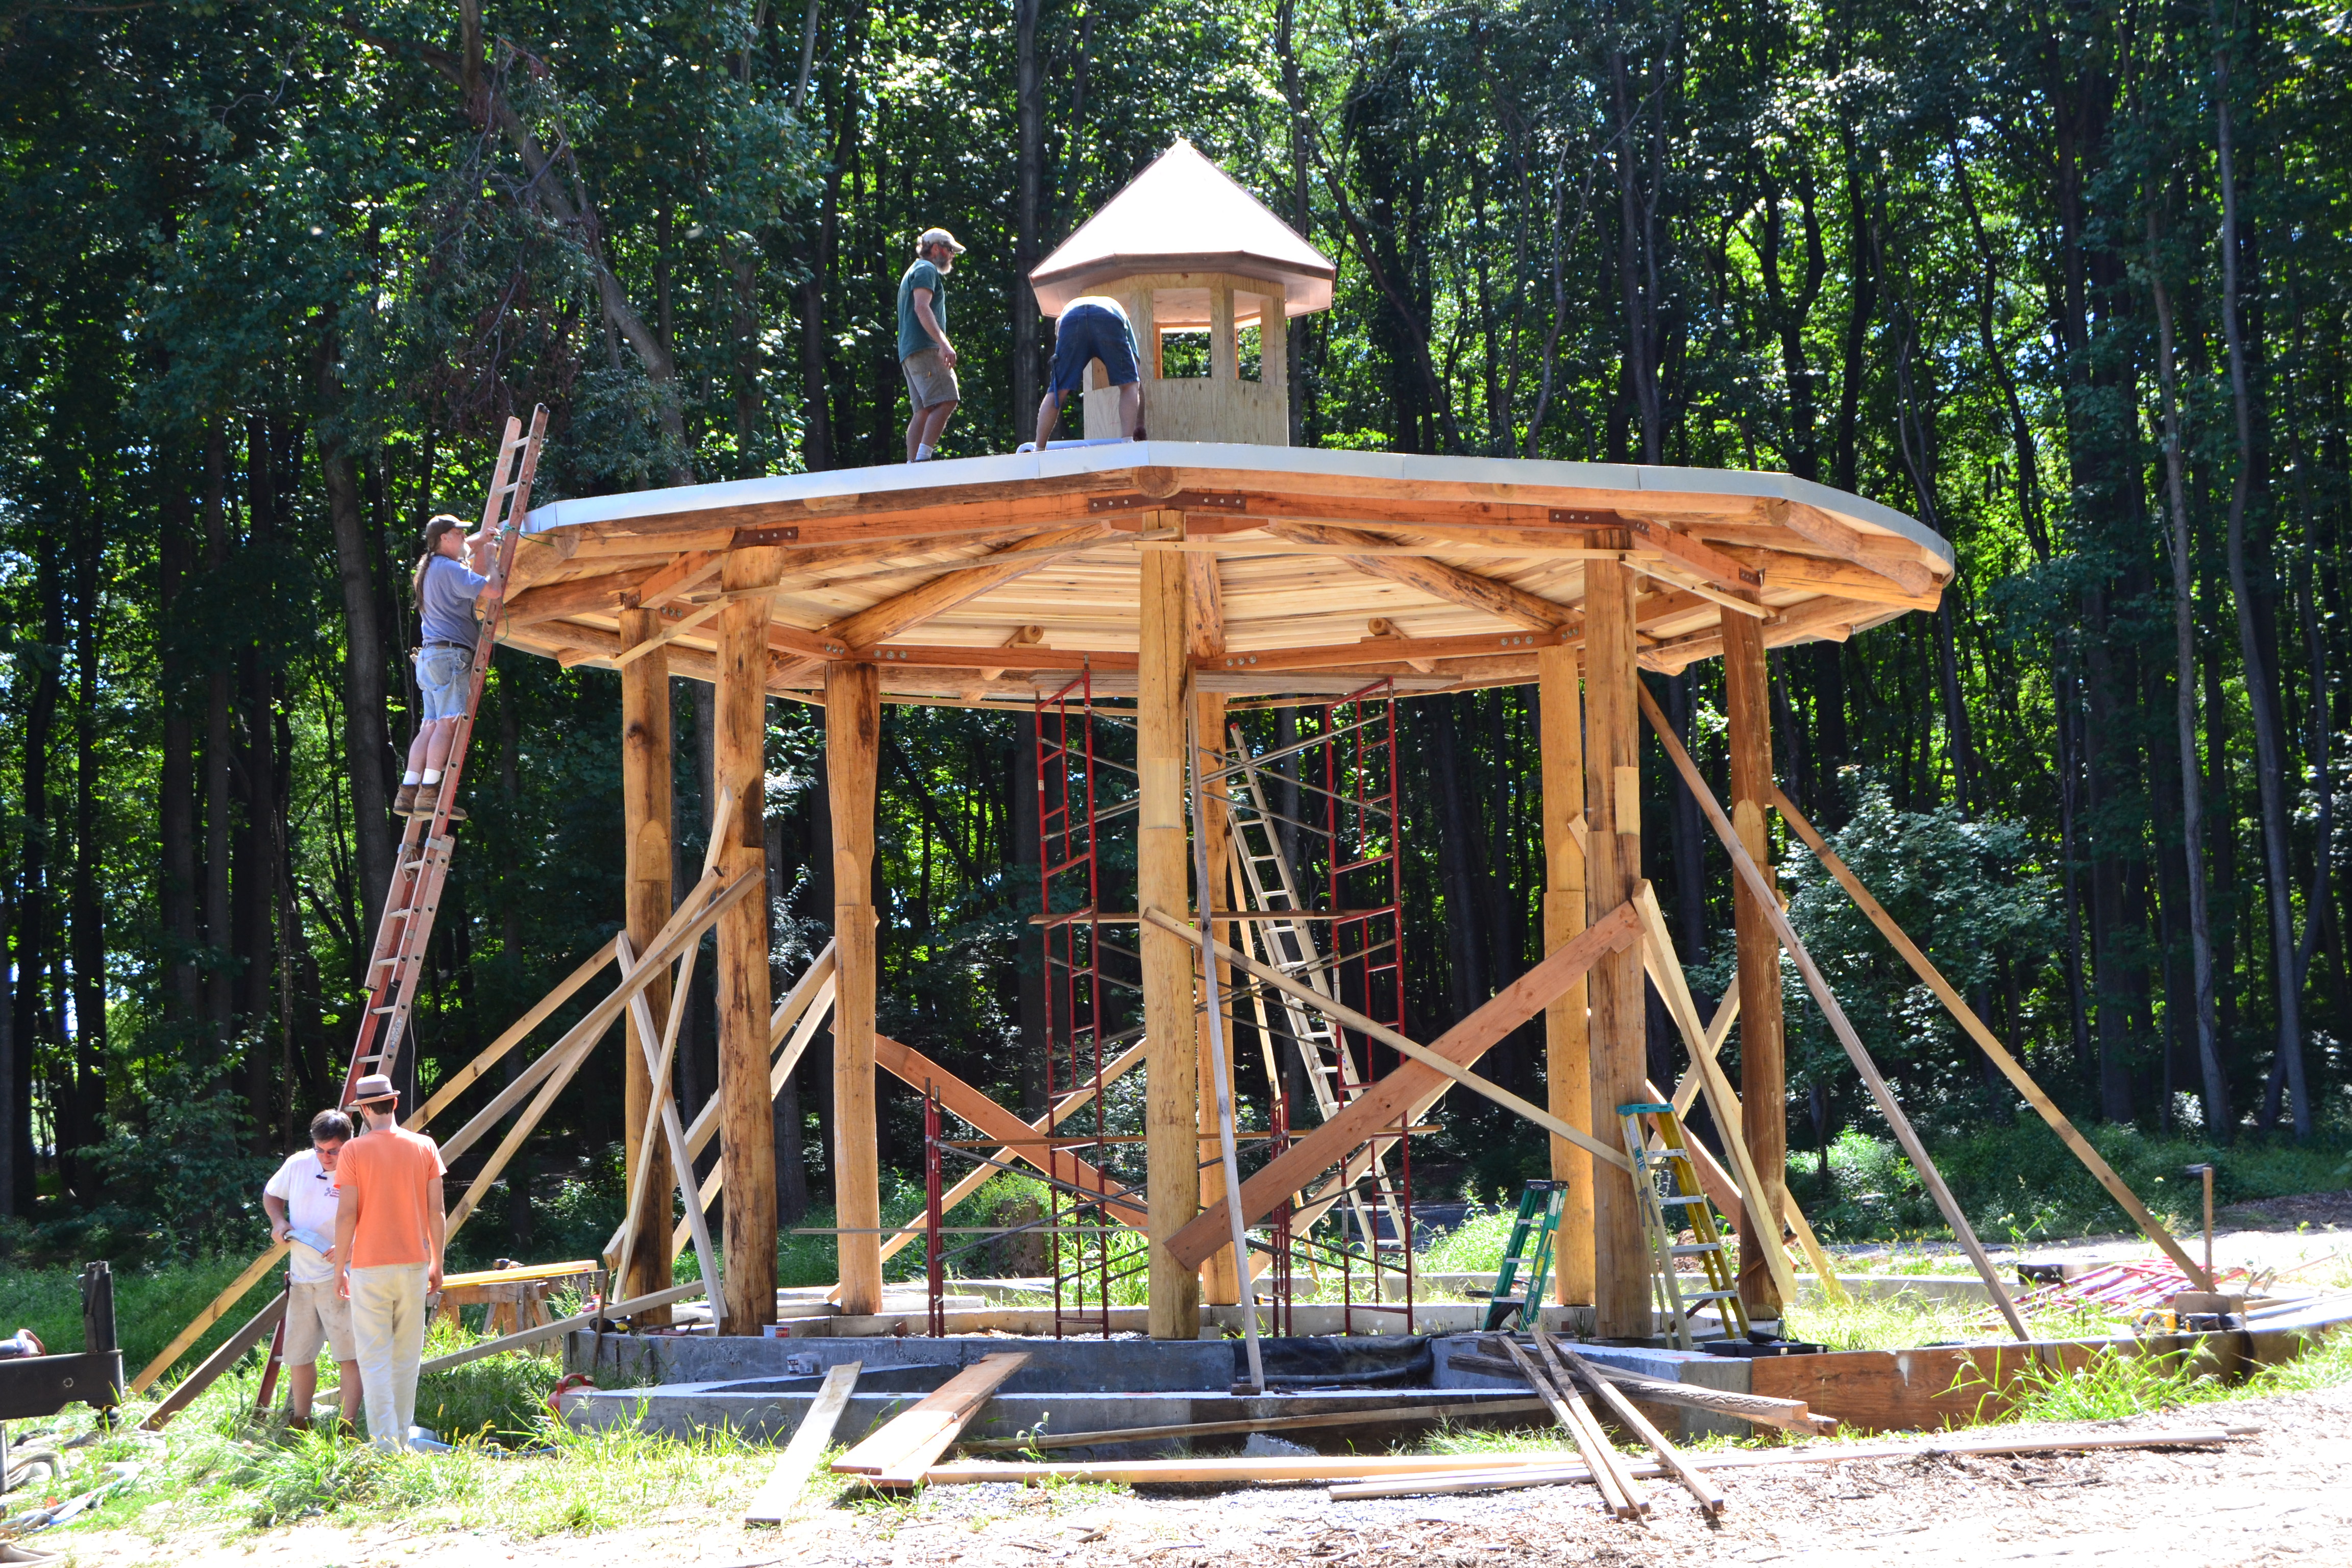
(447, 790)
(404, 800)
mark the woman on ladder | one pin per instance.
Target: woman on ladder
(446, 587)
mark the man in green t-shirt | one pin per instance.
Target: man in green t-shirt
(924, 352)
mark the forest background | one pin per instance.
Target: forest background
(2069, 284)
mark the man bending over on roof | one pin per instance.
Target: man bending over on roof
(924, 352)
(1092, 327)
(446, 590)
(302, 1201)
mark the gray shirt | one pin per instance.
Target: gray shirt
(445, 601)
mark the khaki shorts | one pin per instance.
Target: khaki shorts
(929, 381)
(317, 1317)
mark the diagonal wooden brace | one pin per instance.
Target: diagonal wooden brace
(961, 1099)
(1411, 1087)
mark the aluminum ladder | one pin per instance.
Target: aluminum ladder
(1289, 948)
(1669, 1163)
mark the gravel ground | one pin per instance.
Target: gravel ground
(2283, 1495)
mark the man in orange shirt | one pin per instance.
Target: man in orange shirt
(389, 1228)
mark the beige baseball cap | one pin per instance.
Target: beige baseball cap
(931, 236)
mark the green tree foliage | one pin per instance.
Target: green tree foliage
(275, 277)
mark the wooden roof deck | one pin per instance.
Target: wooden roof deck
(980, 580)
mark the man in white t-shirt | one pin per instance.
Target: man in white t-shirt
(302, 1201)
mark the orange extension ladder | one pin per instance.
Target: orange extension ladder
(427, 844)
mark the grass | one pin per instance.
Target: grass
(513, 1470)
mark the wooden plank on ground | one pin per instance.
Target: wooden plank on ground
(1599, 1458)
(1434, 1480)
(1565, 1359)
(1445, 1412)
(781, 1492)
(1788, 1413)
(898, 1454)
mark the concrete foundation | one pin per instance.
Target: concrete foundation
(760, 1388)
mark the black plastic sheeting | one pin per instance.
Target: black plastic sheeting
(1332, 1360)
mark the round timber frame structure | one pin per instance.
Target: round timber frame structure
(1251, 573)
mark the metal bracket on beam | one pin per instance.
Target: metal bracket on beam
(1182, 500)
(766, 533)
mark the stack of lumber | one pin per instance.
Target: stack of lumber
(900, 1452)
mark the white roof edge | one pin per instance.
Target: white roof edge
(1063, 461)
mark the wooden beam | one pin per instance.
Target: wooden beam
(853, 735)
(898, 1454)
(1665, 972)
(1763, 1071)
(1172, 1104)
(1439, 581)
(1567, 1046)
(778, 1495)
(747, 1125)
(647, 900)
(2010, 1067)
(1787, 569)
(688, 572)
(881, 622)
(1711, 565)
(1888, 558)
(1600, 1460)
(1213, 1044)
(1339, 1011)
(639, 1308)
(920, 1073)
(1413, 1085)
(1889, 1107)
(1063, 1109)
(1612, 797)
(227, 1354)
(575, 596)
(457, 1082)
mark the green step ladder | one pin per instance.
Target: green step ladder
(1539, 1207)
(1671, 1160)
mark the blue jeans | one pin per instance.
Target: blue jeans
(444, 680)
(1087, 333)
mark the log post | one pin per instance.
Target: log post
(853, 736)
(1613, 802)
(1763, 1074)
(747, 1125)
(1171, 1113)
(1220, 1283)
(646, 900)
(1568, 1054)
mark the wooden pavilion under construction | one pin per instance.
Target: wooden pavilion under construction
(1183, 576)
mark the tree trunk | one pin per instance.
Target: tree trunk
(88, 1101)
(34, 958)
(367, 734)
(1029, 120)
(2261, 678)
(176, 805)
(220, 938)
(2218, 1119)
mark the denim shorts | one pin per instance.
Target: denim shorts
(443, 677)
(1089, 332)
